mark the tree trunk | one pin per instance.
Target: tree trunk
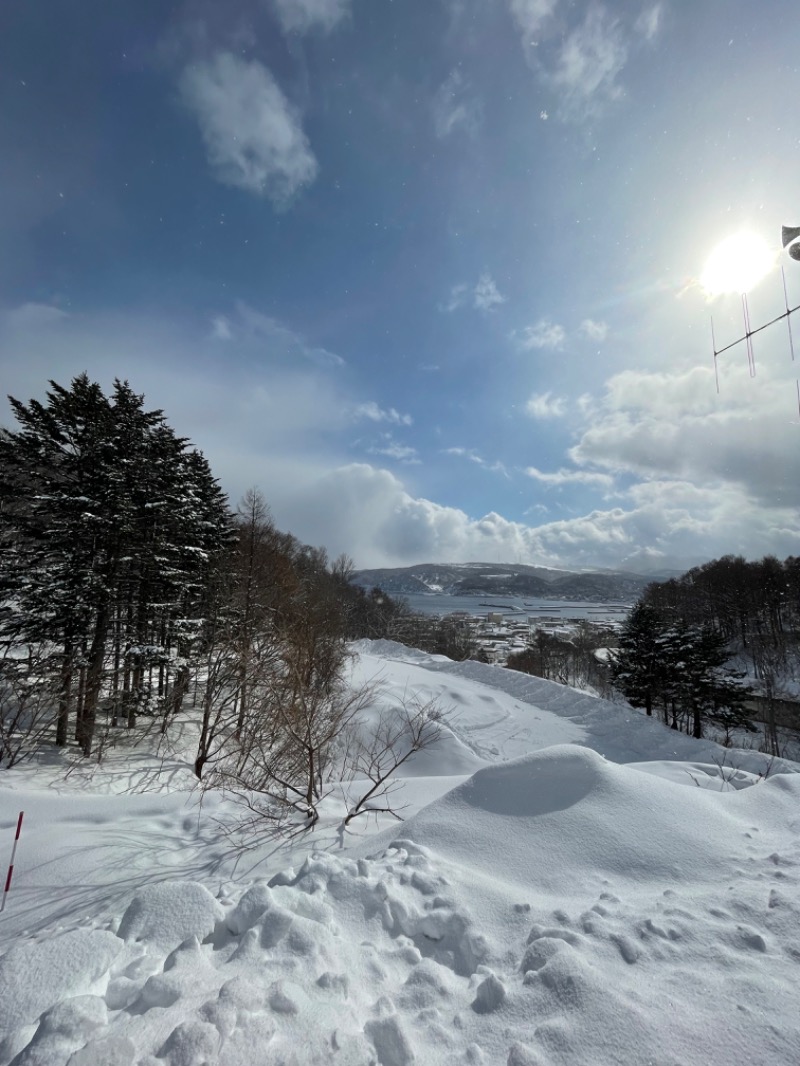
(64, 696)
(205, 740)
(117, 667)
(81, 700)
(94, 680)
(697, 722)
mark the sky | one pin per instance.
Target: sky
(425, 272)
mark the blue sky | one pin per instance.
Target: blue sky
(424, 271)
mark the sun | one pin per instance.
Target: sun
(737, 264)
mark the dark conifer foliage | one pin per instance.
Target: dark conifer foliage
(678, 648)
(638, 667)
(111, 528)
(129, 592)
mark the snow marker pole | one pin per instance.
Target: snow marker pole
(10, 873)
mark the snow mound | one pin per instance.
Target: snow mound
(538, 784)
(555, 909)
(545, 818)
(391, 649)
(167, 914)
(35, 974)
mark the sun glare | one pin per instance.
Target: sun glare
(737, 264)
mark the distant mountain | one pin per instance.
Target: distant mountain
(504, 579)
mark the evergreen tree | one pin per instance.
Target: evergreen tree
(109, 529)
(638, 666)
(682, 666)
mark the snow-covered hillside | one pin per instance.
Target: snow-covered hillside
(573, 884)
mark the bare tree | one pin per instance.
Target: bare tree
(28, 705)
(281, 764)
(400, 734)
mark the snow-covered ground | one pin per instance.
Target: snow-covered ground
(561, 892)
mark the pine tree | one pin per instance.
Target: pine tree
(638, 666)
(681, 665)
(110, 532)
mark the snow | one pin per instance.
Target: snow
(573, 884)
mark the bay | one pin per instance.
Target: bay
(514, 607)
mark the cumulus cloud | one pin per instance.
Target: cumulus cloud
(545, 334)
(300, 16)
(546, 405)
(706, 475)
(595, 331)
(252, 133)
(371, 411)
(674, 425)
(370, 515)
(453, 107)
(681, 524)
(712, 473)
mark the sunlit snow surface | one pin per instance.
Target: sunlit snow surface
(561, 892)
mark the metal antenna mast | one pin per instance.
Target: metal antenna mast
(790, 239)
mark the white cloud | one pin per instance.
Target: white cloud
(562, 477)
(392, 449)
(486, 295)
(681, 524)
(595, 331)
(459, 294)
(221, 328)
(531, 17)
(580, 51)
(34, 315)
(545, 334)
(545, 405)
(302, 15)
(275, 339)
(252, 133)
(649, 22)
(497, 467)
(370, 514)
(673, 425)
(453, 108)
(256, 416)
(374, 413)
(710, 474)
(589, 63)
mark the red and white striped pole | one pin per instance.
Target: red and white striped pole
(10, 873)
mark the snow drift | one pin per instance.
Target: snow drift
(553, 907)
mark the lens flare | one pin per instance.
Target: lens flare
(737, 264)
